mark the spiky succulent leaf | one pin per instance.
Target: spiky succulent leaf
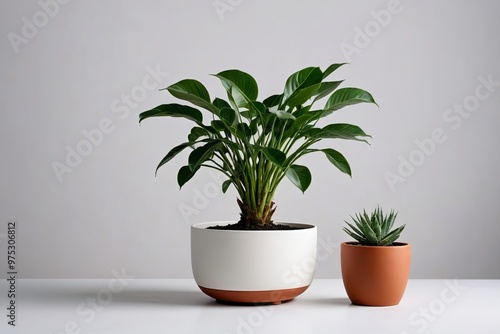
(370, 234)
(374, 229)
(355, 236)
(354, 230)
(392, 236)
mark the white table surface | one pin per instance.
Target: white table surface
(177, 306)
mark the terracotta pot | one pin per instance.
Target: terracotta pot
(253, 267)
(375, 275)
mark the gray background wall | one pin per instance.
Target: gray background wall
(71, 67)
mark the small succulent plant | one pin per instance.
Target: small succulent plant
(374, 230)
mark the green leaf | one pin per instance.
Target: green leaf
(243, 131)
(302, 95)
(240, 86)
(228, 144)
(326, 88)
(302, 110)
(173, 110)
(220, 103)
(312, 132)
(384, 228)
(259, 107)
(300, 176)
(358, 221)
(301, 121)
(392, 236)
(197, 132)
(340, 131)
(193, 91)
(281, 114)
(273, 100)
(185, 174)
(338, 160)
(309, 76)
(357, 237)
(211, 129)
(172, 153)
(225, 185)
(376, 229)
(346, 97)
(201, 154)
(354, 229)
(390, 220)
(254, 125)
(228, 116)
(369, 234)
(218, 125)
(255, 109)
(331, 69)
(274, 155)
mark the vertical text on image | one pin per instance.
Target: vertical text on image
(11, 272)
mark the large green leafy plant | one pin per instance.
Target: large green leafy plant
(256, 144)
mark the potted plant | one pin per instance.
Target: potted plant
(256, 144)
(375, 268)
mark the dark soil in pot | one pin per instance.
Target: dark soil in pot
(253, 227)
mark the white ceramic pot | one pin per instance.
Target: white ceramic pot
(253, 266)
